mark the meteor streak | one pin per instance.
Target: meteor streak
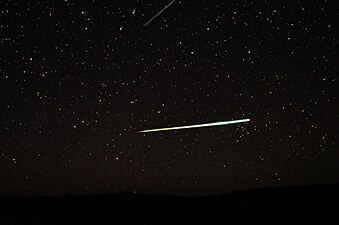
(159, 13)
(198, 125)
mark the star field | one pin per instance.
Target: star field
(79, 79)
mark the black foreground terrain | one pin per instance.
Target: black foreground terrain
(318, 204)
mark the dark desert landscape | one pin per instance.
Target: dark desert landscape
(309, 204)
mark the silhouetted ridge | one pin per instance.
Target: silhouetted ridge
(317, 204)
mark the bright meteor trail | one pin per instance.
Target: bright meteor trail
(198, 125)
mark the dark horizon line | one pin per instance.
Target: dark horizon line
(127, 194)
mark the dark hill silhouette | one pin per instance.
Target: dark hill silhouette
(317, 204)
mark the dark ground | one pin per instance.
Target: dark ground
(317, 204)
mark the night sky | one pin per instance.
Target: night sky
(79, 79)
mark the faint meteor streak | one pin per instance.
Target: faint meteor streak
(198, 125)
(159, 13)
